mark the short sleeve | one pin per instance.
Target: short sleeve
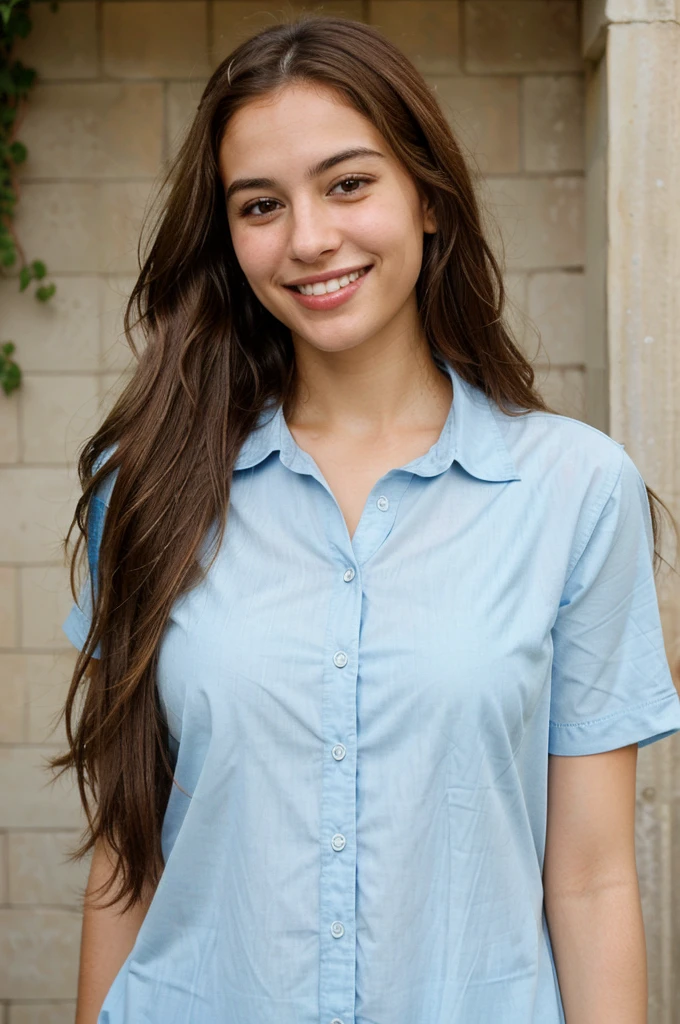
(76, 626)
(611, 683)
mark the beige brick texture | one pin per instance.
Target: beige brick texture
(39, 953)
(29, 798)
(45, 602)
(234, 21)
(57, 414)
(515, 306)
(563, 390)
(553, 123)
(60, 335)
(62, 43)
(521, 36)
(484, 116)
(46, 682)
(541, 220)
(12, 698)
(643, 10)
(42, 1013)
(84, 226)
(33, 688)
(152, 39)
(94, 130)
(9, 621)
(40, 872)
(556, 304)
(427, 31)
(116, 353)
(9, 429)
(33, 513)
(124, 205)
(110, 387)
(59, 220)
(4, 867)
(182, 101)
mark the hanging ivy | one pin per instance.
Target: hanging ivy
(16, 81)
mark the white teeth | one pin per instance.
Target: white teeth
(334, 285)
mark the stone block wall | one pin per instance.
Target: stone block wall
(119, 81)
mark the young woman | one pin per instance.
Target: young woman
(358, 597)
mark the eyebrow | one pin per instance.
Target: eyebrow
(243, 184)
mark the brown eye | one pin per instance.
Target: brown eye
(251, 206)
(353, 180)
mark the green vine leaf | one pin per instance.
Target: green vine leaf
(18, 152)
(10, 373)
(16, 82)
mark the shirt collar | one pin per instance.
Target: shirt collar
(470, 436)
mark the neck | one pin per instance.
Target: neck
(368, 392)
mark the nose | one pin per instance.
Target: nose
(313, 231)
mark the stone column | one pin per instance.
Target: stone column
(633, 268)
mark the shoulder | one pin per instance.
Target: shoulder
(550, 446)
(574, 474)
(567, 464)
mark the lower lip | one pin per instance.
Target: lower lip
(331, 299)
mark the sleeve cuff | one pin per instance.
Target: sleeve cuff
(76, 626)
(643, 725)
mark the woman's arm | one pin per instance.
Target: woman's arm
(106, 939)
(592, 899)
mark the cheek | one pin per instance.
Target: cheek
(257, 253)
(389, 229)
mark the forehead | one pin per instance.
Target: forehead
(299, 122)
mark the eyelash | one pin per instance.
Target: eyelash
(246, 210)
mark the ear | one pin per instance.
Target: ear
(429, 219)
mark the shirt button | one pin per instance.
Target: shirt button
(340, 659)
(338, 751)
(349, 575)
(382, 503)
(337, 929)
(338, 841)
(336, 1020)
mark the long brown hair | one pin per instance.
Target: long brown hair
(213, 356)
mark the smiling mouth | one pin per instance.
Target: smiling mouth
(335, 284)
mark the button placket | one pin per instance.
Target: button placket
(337, 905)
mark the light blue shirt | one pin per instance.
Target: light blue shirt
(362, 726)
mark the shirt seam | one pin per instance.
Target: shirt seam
(614, 714)
(595, 520)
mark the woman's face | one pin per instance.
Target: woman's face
(297, 209)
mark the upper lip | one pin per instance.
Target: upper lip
(327, 276)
